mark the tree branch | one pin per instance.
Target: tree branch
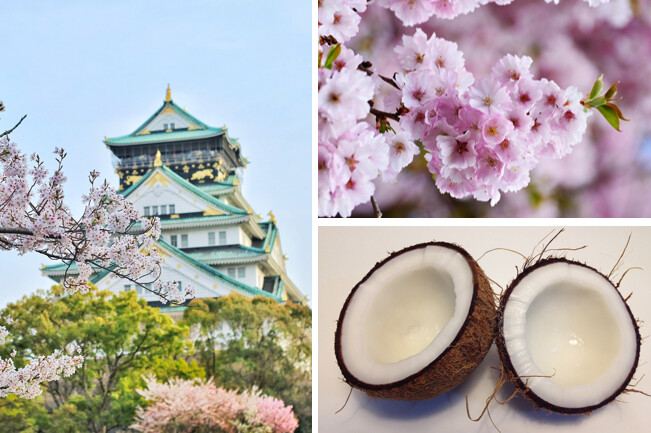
(12, 129)
(378, 113)
(376, 208)
(16, 231)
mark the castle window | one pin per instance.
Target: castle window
(231, 272)
(172, 209)
(127, 287)
(184, 241)
(172, 126)
(211, 238)
(154, 210)
(165, 126)
(147, 211)
(173, 240)
(241, 272)
(222, 238)
(139, 289)
(163, 209)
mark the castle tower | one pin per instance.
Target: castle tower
(188, 174)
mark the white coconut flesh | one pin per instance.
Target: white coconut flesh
(568, 322)
(406, 314)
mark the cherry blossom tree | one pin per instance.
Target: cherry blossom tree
(186, 406)
(481, 137)
(108, 235)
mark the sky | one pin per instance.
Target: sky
(85, 70)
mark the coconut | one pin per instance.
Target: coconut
(417, 324)
(566, 337)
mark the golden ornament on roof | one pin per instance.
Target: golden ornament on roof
(158, 162)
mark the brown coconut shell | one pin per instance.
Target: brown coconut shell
(512, 375)
(454, 364)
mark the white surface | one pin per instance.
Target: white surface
(346, 254)
(567, 322)
(406, 314)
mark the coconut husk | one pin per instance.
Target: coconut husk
(520, 382)
(454, 364)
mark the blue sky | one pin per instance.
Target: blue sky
(84, 70)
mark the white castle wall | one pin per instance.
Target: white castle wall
(198, 236)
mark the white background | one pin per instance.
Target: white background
(346, 254)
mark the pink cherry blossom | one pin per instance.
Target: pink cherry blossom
(495, 129)
(401, 153)
(489, 96)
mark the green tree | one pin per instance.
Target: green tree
(121, 338)
(243, 342)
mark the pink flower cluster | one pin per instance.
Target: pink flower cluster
(26, 382)
(191, 405)
(351, 152)
(485, 136)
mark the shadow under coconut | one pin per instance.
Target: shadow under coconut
(530, 410)
(397, 409)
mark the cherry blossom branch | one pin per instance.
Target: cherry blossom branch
(25, 382)
(366, 67)
(376, 208)
(16, 231)
(384, 114)
(34, 217)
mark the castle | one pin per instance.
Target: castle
(188, 174)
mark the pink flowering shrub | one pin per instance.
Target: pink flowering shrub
(185, 406)
(266, 414)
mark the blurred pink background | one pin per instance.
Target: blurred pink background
(609, 173)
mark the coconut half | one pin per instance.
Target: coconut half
(417, 324)
(567, 337)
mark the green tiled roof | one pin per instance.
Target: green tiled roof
(165, 136)
(188, 186)
(170, 104)
(272, 231)
(231, 253)
(60, 267)
(166, 223)
(211, 218)
(201, 130)
(136, 137)
(215, 273)
(172, 308)
(218, 186)
(188, 259)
